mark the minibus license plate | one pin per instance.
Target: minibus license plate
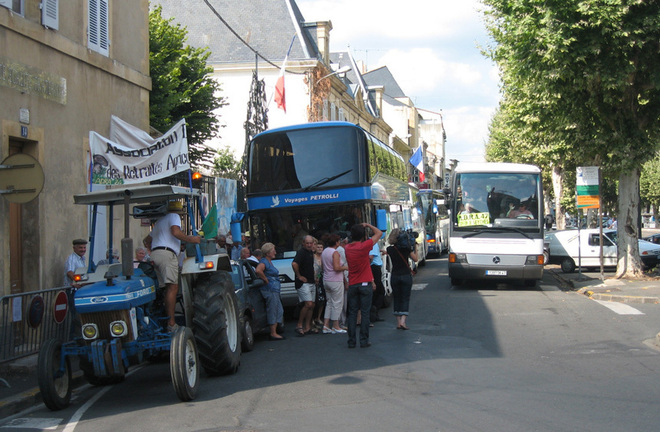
(495, 272)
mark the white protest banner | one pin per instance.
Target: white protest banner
(132, 156)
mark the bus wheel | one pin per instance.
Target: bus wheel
(567, 265)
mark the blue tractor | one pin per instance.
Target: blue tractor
(121, 310)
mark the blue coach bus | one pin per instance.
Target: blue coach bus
(319, 178)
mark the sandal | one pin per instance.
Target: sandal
(300, 332)
(312, 331)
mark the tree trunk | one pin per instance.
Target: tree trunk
(629, 263)
(558, 188)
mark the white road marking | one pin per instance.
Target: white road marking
(34, 423)
(620, 308)
(75, 418)
(419, 287)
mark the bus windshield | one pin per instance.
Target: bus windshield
(335, 160)
(497, 199)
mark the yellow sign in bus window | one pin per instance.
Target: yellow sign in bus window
(473, 219)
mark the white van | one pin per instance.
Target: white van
(563, 246)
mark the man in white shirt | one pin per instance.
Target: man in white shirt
(165, 244)
(74, 261)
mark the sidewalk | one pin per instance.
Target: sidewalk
(645, 290)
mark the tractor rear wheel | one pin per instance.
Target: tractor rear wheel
(216, 323)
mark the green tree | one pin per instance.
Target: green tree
(182, 87)
(226, 166)
(649, 184)
(587, 72)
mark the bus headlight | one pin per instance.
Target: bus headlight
(90, 331)
(457, 258)
(118, 328)
(534, 259)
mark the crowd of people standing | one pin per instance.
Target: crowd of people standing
(338, 278)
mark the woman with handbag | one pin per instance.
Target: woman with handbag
(402, 276)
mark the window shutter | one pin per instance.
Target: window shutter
(104, 40)
(5, 3)
(97, 34)
(50, 14)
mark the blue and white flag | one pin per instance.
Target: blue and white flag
(417, 160)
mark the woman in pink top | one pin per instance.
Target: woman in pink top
(333, 281)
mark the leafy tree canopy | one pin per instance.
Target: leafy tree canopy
(226, 166)
(182, 87)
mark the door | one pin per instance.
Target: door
(15, 238)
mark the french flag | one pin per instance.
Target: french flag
(280, 95)
(417, 160)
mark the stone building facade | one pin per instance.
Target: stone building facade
(65, 68)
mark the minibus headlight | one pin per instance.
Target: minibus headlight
(457, 258)
(534, 259)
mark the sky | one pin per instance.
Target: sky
(433, 49)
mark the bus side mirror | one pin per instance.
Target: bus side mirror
(381, 220)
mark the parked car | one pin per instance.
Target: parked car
(566, 250)
(251, 303)
(655, 238)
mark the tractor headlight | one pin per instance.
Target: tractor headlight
(118, 328)
(90, 331)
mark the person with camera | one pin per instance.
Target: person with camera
(360, 281)
(402, 246)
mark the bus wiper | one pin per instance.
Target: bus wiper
(325, 180)
(498, 229)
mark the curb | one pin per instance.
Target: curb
(622, 298)
(618, 297)
(22, 401)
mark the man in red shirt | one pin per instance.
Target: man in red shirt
(360, 281)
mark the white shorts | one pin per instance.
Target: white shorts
(307, 292)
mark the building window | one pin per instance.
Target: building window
(97, 29)
(341, 116)
(17, 6)
(333, 112)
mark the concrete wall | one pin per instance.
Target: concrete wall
(58, 128)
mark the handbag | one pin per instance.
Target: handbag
(320, 292)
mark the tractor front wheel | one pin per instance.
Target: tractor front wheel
(54, 375)
(184, 364)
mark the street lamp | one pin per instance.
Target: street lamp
(337, 72)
